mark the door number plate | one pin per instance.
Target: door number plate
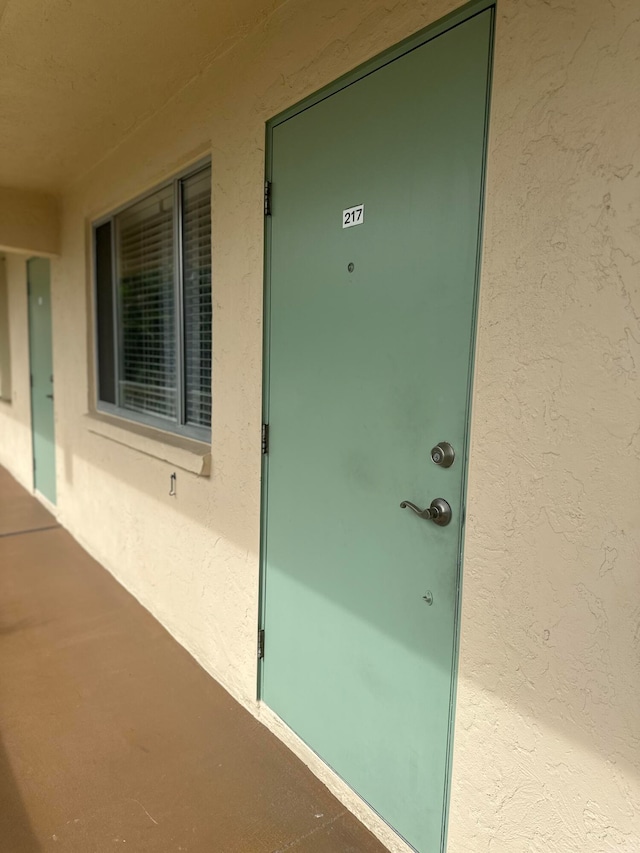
(353, 216)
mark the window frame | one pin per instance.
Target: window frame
(177, 426)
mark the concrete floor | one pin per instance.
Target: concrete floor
(111, 735)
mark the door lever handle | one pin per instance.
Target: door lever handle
(439, 512)
(422, 513)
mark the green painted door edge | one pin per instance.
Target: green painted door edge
(457, 17)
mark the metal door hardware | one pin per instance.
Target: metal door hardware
(439, 512)
(443, 455)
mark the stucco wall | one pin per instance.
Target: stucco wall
(547, 730)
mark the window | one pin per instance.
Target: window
(153, 307)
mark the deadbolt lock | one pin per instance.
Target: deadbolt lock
(443, 455)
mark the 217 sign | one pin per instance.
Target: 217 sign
(353, 216)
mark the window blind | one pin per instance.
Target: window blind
(196, 253)
(153, 305)
(145, 237)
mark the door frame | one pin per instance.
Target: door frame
(432, 31)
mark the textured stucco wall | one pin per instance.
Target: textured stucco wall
(548, 719)
(15, 414)
(547, 731)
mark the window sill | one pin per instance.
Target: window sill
(185, 453)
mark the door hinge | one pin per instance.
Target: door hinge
(260, 643)
(267, 198)
(265, 439)
(31, 379)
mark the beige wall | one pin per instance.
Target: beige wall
(548, 724)
(547, 729)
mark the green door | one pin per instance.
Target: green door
(371, 315)
(44, 446)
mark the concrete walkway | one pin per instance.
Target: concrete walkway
(111, 735)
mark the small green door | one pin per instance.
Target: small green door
(42, 426)
(373, 245)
